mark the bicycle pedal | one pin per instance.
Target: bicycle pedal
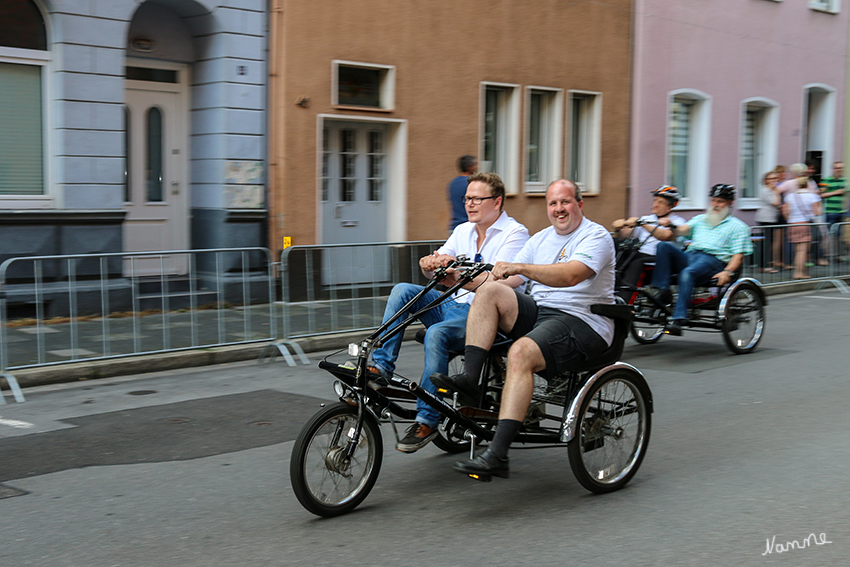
(481, 477)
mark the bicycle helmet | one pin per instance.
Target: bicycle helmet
(723, 191)
(668, 192)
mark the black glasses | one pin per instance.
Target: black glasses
(476, 200)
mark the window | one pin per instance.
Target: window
(348, 164)
(819, 124)
(23, 70)
(688, 146)
(153, 167)
(363, 85)
(128, 196)
(544, 136)
(758, 148)
(376, 165)
(326, 162)
(500, 133)
(831, 6)
(585, 140)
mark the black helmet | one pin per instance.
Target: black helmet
(668, 192)
(723, 191)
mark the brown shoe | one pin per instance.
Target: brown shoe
(417, 436)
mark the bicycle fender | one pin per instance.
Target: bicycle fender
(568, 429)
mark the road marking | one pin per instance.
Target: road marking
(15, 423)
(826, 297)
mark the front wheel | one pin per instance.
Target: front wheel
(325, 480)
(612, 433)
(743, 322)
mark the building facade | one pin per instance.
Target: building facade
(724, 91)
(131, 125)
(373, 102)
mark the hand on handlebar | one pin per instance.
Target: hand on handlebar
(434, 261)
(504, 270)
(722, 278)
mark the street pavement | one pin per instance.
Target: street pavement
(190, 468)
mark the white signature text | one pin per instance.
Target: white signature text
(811, 539)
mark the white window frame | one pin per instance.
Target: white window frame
(386, 88)
(827, 121)
(508, 149)
(591, 141)
(699, 148)
(396, 185)
(828, 6)
(552, 129)
(43, 59)
(767, 139)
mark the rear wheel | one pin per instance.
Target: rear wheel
(647, 326)
(326, 481)
(612, 435)
(743, 323)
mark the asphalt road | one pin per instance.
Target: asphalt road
(190, 468)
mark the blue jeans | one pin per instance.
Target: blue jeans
(694, 268)
(446, 330)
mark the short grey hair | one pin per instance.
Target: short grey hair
(798, 169)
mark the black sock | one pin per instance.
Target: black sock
(473, 361)
(506, 430)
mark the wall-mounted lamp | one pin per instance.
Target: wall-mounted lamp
(303, 101)
(142, 44)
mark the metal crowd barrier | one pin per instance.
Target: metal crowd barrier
(825, 258)
(336, 288)
(60, 309)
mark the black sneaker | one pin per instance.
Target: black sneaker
(675, 328)
(460, 383)
(417, 436)
(484, 467)
(663, 296)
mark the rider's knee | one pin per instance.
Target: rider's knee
(436, 337)
(404, 290)
(525, 355)
(664, 248)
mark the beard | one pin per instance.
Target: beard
(713, 217)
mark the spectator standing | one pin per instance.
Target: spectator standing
(800, 207)
(467, 165)
(832, 191)
(768, 214)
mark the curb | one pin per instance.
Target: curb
(142, 364)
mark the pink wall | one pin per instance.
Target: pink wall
(731, 50)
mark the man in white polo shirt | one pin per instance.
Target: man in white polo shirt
(489, 236)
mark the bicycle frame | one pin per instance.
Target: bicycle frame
(362, 393)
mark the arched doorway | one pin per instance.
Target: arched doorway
(160, 53)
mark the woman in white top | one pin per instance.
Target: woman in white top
(800, 207)
(768, 215)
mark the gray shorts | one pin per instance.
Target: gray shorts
(566, 341)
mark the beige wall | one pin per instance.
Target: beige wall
(441, 50)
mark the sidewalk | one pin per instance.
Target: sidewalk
(90, 370)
